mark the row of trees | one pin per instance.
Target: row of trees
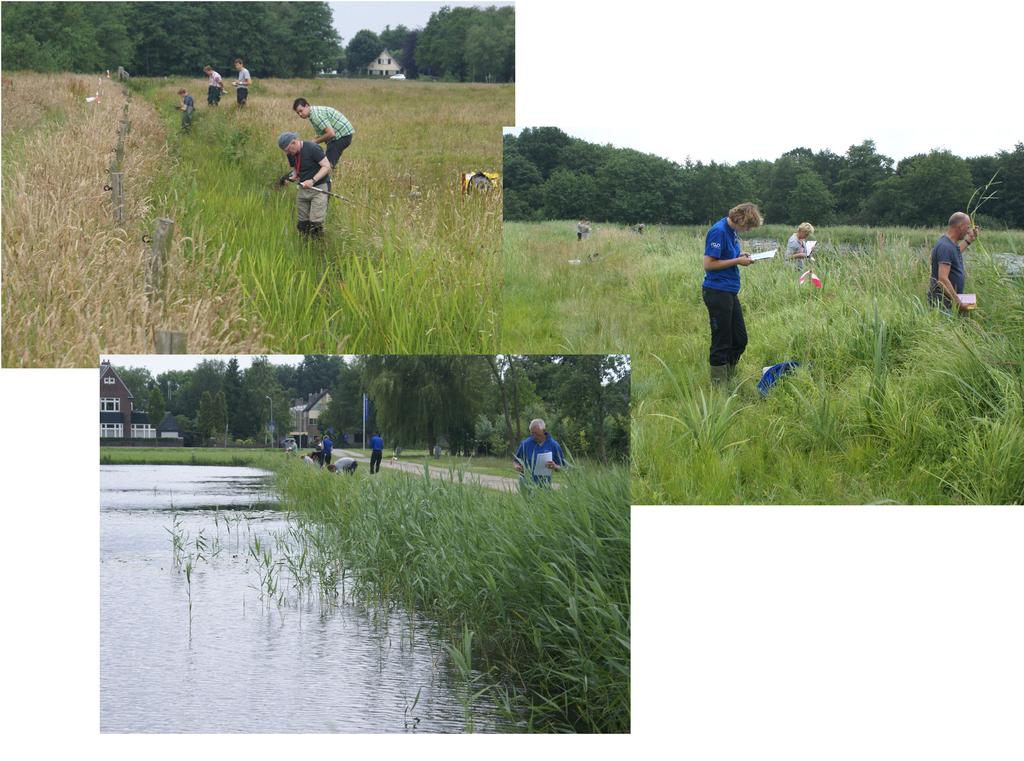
(275, 39)
(470, 404)
(551, 175)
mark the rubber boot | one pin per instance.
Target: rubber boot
(316, 230)
(303, 227)
(719, 375)
(732, 373)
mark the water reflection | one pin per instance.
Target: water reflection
(248, 661)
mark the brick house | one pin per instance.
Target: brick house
(384, 65)
(118, 418)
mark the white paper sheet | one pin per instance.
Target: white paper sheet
(809, 246)
(764, 255)
(540, 467)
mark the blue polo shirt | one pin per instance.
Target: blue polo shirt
(528, 450)
(722, 242)
(376, 444)
(328, 445)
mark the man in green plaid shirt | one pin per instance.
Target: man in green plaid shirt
(330, 125)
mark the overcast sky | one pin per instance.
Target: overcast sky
(160, 363)
(350, 18)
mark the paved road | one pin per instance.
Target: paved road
(498, 483)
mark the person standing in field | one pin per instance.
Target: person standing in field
(188, 106)
(947, 278)
(242, 83)
(328, 448)
(721, 289)
(580, 227)
(796, 247)
(330, 125)
(214, 86)
(311, 169)
(376, 452)
(538, 442)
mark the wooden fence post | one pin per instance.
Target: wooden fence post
(170, 342)
(161, 247)
(117, 194)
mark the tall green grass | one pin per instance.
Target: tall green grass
(256, 458)
(532, 590)
(894, 402)
(409, 264)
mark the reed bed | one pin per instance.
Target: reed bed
(531, 593)
(256, 458)
(74, 280)
(409, 264)
(895, 402)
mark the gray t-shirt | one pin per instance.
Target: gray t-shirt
(795, 245)
(946, 252)
(243, 76)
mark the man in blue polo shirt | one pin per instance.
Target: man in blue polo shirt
(539, 442)
(376, 452)
(328, 448)
(721, 288)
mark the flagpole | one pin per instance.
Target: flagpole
(364, 422)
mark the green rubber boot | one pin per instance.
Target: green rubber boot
(719, 375)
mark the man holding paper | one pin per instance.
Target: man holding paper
(538, 455)
(721, 289)
(947, 280)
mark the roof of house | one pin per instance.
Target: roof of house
(106, 368)
(169, 424)
(314, 399)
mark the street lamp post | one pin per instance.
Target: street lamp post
(271, 405)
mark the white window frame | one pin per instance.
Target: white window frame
(117, 428)
(143, 431)
(116, 406)
(109, 379)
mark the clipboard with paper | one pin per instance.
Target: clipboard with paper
(540, 467)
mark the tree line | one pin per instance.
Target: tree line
(551, 175)
(468, 404)
(275, 39)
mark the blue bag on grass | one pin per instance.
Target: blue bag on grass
(772, 374)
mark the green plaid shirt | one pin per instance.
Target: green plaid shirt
(322, 117)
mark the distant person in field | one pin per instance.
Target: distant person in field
(796, 248)
(537, 443)
(214, 86)
(376, 452)
(330, 125)
(328, 445)
(579, 230)
(242, 83)
(344, 465)
(721, 289)
(188, 107)
(947, 279)
(311, 169)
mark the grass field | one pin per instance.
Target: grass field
(409, 264)
(895, 402)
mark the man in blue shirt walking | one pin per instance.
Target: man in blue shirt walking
(376, 452)
(947, 280)
(722, 286)
(539, 442)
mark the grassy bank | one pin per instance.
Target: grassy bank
(74, 279)
(894, 402)
(255, 458)
(409, 263)
(534, 593)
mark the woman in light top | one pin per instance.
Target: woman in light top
(796, 248)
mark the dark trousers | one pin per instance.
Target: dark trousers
(728, 333)
(242, 93)
(375, 457)
(327, 458)
(213, 95)
(336, 147)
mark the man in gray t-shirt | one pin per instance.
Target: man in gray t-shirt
(242, 83)
(947, 278)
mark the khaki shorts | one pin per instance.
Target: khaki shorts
(311, 205)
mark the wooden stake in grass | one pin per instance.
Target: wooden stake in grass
(117, 194)
(159, 250)
(170, 342)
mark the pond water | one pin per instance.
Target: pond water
(246, 661)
